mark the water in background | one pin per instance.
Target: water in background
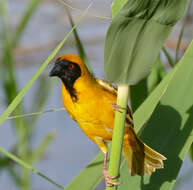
(71, 150)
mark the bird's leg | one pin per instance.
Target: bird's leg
(117, 107)
(106, 175)
(104, 149)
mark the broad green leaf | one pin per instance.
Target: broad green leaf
(138, 93)
(136, 35)
(170, 129)
(116, 6)
(144, 112)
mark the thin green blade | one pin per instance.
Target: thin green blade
(29, 167)
(158, 72)
(79, 45)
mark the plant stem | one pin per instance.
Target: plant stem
(118, 132)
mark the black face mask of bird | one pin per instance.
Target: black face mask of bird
(68, 72)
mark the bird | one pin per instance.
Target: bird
(91, 102)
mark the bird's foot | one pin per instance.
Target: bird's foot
(117, 107)
(107, 178)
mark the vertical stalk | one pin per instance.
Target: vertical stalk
(118, 132)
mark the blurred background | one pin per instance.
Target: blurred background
(52, 142)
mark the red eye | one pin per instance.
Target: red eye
(70, 67)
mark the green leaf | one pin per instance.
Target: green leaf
(182, 32)
(171, 61)
(27, 166)
(191, 152)
(116, 6)
(138, 93)
(136, 35)
(158, 72)
(170, 129)
(144, 112)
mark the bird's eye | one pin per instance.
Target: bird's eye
(70, 67)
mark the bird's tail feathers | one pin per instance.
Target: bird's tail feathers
(141, 158)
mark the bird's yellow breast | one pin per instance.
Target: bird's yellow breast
(92, 109)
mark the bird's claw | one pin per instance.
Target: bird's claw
(110, 184)
(117, 107)
(113, 177)
(107, 177)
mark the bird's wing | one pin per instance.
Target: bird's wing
(106, 85)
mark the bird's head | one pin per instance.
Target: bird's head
(69, 68)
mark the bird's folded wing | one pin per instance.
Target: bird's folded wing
(105, 84)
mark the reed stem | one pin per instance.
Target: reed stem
(118, 132)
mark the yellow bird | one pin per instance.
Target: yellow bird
(89, 102)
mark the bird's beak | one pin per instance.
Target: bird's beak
(55, 71)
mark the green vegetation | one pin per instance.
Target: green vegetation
(26, 157)
(22, 127)
(162, 102)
